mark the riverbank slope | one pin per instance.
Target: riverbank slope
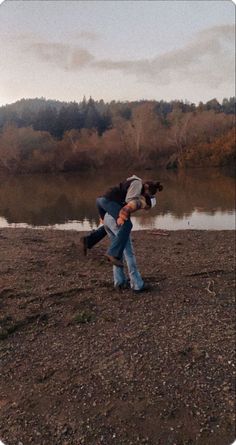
(83, 364)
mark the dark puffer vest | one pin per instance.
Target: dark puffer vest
(118, 193)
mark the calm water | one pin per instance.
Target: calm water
(193, 199)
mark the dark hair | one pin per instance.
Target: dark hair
(154, 186)
(148, 200)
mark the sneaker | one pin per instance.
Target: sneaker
(84, 245)
(115, 261)
(145, 288)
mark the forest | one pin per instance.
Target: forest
(39, 135)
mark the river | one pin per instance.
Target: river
(191, 199)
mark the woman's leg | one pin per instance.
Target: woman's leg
(118, 243)
(95, 236)
(103, 206)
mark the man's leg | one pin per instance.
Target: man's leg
(118, 244)
(120, 280)
(136, 281)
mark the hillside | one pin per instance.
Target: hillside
(39, 135)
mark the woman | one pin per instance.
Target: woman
(133, 188)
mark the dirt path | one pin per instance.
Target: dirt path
(83, 364)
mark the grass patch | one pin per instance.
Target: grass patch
(109, 318)
(84, 317)
(8, 325)
(5, 332)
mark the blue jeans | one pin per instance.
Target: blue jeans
(136, 281)
(119, 241)
(95, 236)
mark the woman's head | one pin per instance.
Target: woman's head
(151, 187)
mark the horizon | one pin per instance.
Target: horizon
(112, 100)
(122, 51)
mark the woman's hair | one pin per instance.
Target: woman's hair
(154, 186)
(148, 200)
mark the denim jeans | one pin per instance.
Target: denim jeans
(95, 236)
(120, 278)
(118, 242)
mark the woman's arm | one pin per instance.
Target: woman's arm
(131, 207)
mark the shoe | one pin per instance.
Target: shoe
(123, 286)
(119, 287)
(84, 245)
(115, 261)
(145, 288)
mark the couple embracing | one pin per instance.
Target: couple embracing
(115, 208)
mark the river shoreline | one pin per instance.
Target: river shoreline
(83, 364)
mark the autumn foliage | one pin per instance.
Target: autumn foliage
(46, 136)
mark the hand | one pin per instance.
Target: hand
(120, 221)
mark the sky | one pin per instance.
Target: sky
(117, 50)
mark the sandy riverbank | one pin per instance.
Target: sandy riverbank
(83, 364)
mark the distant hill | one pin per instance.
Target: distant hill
(34, 105)
(42, 135)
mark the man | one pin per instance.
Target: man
(112, 228)
(133, 188)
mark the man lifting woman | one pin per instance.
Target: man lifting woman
(115, 208)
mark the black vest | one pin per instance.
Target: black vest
(118, 193)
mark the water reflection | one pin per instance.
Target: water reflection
(190, 199)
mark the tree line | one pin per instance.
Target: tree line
(39, 135)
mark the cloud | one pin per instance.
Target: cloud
(206, 60)
(227, 31)
(26, 36)
(61, 55)
(88, 35)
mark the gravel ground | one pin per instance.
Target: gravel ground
(83, 364)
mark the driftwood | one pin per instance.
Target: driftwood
(160, 232)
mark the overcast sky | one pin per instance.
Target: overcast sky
(121, 50)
